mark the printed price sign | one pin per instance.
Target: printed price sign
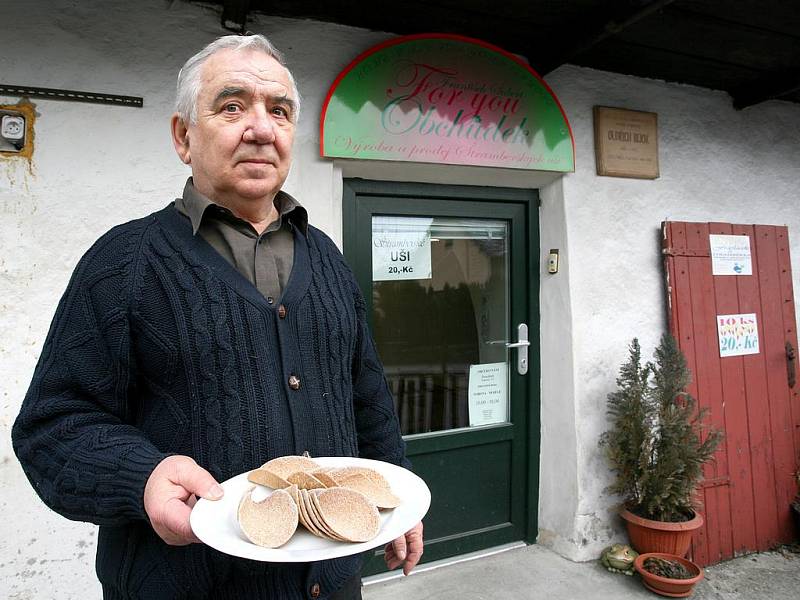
(401, 248)
(738, 334)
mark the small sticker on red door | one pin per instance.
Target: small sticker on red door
(730, 255)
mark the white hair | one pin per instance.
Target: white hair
(189, 76)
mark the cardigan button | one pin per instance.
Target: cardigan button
(270, 299)
(282, 311)
(294, 382)
(315, 591)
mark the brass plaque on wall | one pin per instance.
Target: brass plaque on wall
(626, 142)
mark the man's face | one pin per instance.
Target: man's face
(240, 149)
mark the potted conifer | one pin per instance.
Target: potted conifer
(656, 449)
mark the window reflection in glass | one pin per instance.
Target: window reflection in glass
(429, 331)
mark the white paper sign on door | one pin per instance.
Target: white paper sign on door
(488, 394)
(401, 248)
(730, 255)
(738, 334)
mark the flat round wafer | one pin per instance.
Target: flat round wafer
(301, 510)
(349, 514)
(305, 516)
(267, 478)
(322, 475)
(377, 494)
(305, 481)
(314, 509)
(283, 466)
(293, 491)
(268, 523)
(311, 514)
(344, 472)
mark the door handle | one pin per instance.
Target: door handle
(521, 345)
(518, 344)
(790, 366)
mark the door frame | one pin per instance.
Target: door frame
(528, 199)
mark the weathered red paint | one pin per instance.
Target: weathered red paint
(745, 497)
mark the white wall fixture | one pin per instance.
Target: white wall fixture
(552, 261)
(12, 131)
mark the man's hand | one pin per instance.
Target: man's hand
(171, 492)
(405, 550)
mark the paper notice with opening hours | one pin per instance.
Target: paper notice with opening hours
(488, 394)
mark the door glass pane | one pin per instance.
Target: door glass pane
(441, 319)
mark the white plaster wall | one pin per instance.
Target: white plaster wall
(558, 471)
(717, 164)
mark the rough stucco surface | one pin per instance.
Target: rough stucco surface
(558, 472)
(717, 164)
(95, 166)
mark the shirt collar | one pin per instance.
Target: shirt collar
(193, 204)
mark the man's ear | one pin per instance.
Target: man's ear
(180, 139)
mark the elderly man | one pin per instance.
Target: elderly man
(199, 342)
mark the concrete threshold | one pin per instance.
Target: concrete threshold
(445, 562)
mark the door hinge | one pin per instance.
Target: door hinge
(670, 251)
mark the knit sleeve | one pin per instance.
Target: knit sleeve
(377, 424)
(73, 435)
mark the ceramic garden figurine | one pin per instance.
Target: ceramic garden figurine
(619, 558)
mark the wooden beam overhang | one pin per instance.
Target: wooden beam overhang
(610, 28)
(770, 87)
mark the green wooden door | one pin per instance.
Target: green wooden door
(449, 273)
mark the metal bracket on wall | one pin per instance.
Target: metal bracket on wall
(70, 95)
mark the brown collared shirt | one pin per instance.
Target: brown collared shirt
(265, 260)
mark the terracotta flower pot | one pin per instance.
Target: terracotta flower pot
(660, 536)
(665, 586)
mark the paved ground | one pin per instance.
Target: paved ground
(536, 573)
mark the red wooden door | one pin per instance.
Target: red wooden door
(748, 488)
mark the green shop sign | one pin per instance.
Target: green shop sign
(445, 99)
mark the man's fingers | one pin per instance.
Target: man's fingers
(414, 548)
(176, 520)
(399, 547)
(196, 480)
(390, 558)
(170, 493)
(405, 550)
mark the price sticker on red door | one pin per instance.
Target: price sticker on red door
(738, 334)
(401, 248)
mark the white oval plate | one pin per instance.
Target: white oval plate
(215, 522)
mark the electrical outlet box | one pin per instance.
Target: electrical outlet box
(12, 127)
(12, 131)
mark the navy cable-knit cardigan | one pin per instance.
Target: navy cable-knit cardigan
(160, 346)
